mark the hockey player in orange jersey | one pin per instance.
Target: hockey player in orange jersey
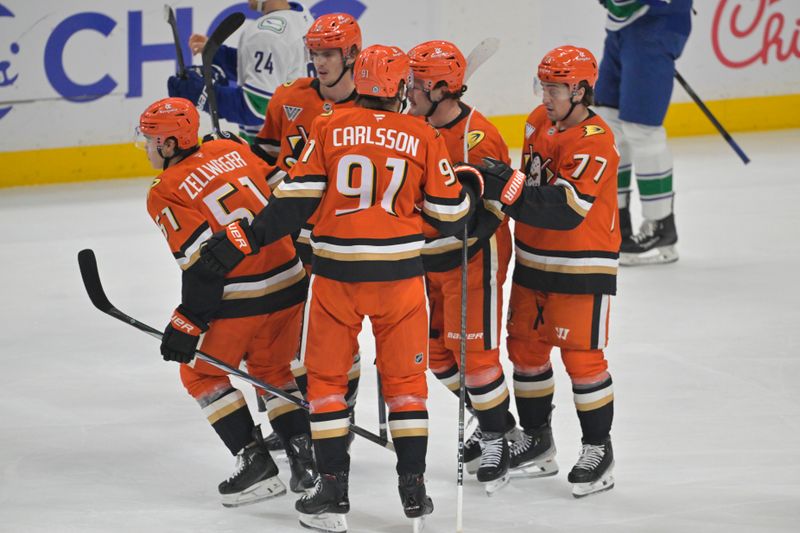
(439, 68)
(333, 42)
(376, 176)
(567, 250)
(256, 309)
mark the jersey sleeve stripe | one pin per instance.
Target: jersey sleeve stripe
(579, 203)
(190, 251)
(271, 284)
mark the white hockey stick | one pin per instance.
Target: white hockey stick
(477, 57)
(480, 55)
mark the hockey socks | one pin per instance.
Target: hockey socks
(595, 405)
(228, 414)
(534, 397)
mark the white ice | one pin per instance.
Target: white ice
(98, 434)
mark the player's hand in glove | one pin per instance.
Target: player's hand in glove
(181, 336)
(226, 249)
(189, 87)
(501, 182)
(470, 177)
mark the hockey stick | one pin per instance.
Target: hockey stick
(169, 16)
(480, 55)
(94, 288)
(382, 431)
(707, 112)
(225, 29)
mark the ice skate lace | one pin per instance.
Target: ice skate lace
(316, 490)
(647, 231)
(522, 444)
(475, 438)
(241, 463)
(492, 452)
(591, 455)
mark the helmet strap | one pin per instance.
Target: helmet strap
(345, 69)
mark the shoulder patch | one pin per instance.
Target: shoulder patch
(592, 129)
(474, 138)
(156, 181)
(276, 24)
(290, 83)
(326, 113)
(433, 128)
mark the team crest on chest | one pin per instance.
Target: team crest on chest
(292, 112)
(537, 168)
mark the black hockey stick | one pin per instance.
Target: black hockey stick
(707, 112)
(94, 288)
(169, 15)
(220, 34)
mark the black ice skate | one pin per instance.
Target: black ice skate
(625, 224)
(493, 470)
(416, 502)
(594, 470)
(473, 446)
(301, 462)
(274, 443)
(324, 508)
(256, 476)
(534, 453)
(654, 244)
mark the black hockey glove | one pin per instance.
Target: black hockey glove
(501, 182)
(181, 336)
(226, 249)
(470, 177)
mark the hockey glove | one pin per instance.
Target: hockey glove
(226, 249)
(470, 177)
(190, 87)
(502, 183)
(181, 336)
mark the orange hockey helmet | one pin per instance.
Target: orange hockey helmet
(335, 30)
(171, 117)
(568, 64)
(379, 70)
(435, 61)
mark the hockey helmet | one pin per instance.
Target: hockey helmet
(436, 61)
(570, 65)
(171, 117)
(379, 70)
(335, 30)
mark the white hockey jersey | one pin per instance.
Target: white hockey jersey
(271, 52)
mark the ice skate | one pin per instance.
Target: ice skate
(493, 470)
(534, 454)
(301, 462)
(654, 244)
(275, 445)
(416, 503)
(593, 472)
(473, 447)
(324, 508)
(256, 476)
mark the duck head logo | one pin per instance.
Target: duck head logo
(7, 78)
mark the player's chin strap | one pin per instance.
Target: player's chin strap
(435, 104)
(346, 68)
(572, 105)
(179, 155)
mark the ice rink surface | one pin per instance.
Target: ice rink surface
(99, 435)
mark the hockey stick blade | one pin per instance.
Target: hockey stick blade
(226, 28)
(94, 288)
(480, 55)
(169, 16)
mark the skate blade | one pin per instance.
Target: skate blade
(263, 490)
(656, 256)
(546, 468)
(418, 524)
(325, 522)
(581, 490)
(494, 486)
(472, 466)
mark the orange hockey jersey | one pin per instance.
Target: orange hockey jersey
(375, 176)
(221, 182)
(567, 238)
(285, 132)
(483, 140)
